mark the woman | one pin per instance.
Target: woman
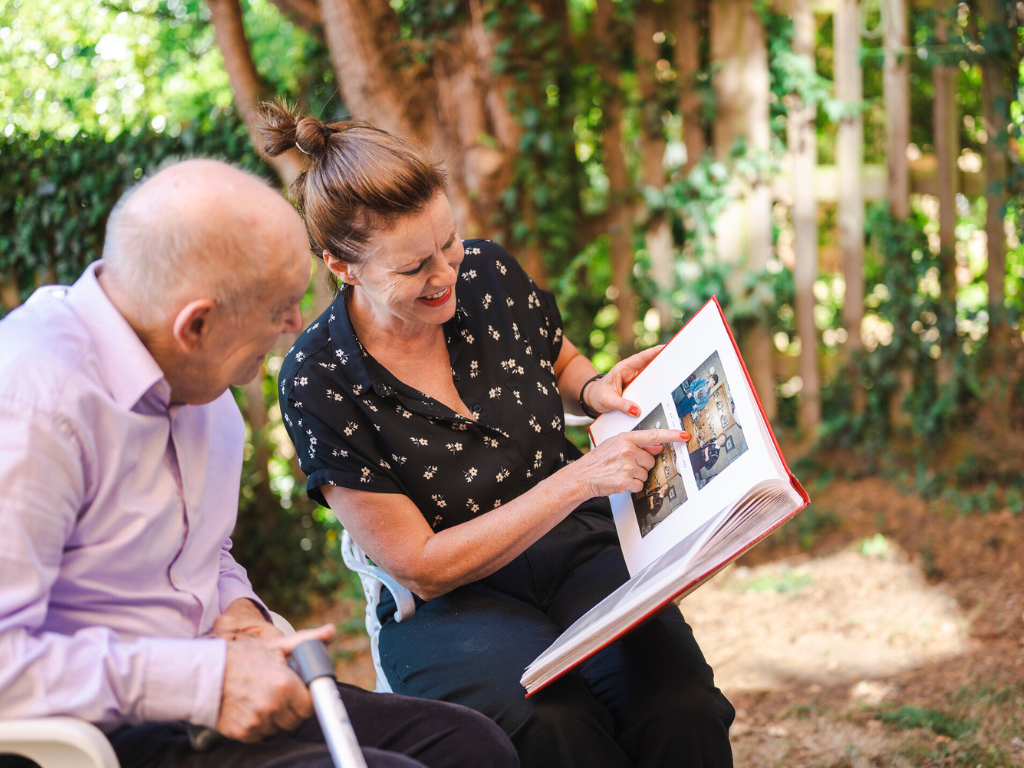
(426, 406)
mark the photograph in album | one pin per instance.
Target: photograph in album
(706, 410)
(664, 492)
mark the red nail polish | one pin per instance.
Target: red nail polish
(634, 411)
(684, 435)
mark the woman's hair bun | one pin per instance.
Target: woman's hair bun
(282, 129)
(311, 137)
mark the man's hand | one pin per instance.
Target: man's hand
(243, 617)
(261, 694)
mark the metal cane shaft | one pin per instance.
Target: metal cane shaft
(312, 663)
(335, 724)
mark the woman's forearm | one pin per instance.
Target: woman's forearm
(479, 547)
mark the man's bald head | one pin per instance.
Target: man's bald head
(198, 228)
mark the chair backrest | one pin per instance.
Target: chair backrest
(57, 742)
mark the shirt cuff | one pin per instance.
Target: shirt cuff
(183, 680)
(230, 589)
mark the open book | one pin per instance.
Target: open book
(704, 503)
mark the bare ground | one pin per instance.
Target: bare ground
(856, 650)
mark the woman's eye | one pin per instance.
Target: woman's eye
(412, 272)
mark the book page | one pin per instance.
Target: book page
(696, 384)
(682, 569)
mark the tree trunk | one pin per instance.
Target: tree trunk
(360, 35)
(896, 79)
(657, 232)
(303, 13)
(946, 122)
(896, 84)
(758, 342)
(620, 201)
(457, 107)
(246, 85)
(849, 165)
(687, 60)
(995, 97)
(726, 21)
(10, 295)
(803, 150)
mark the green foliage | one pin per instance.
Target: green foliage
(95, 93)
(58, 193)
(786, 580)
(806, 527)
(104, 67)
(917, 717)
(908, 327)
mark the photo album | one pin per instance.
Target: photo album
(705, 502)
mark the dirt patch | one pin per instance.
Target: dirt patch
(841, 654)
(963, 708)
(847, 617)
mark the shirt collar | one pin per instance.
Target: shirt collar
(128, 369)
(361, 370)
(358, 367)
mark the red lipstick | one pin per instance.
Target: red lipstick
(440, 300)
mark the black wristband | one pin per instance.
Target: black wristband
(587, 410)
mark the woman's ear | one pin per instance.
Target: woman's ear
(340, 269)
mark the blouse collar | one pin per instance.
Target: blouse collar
(357, 365)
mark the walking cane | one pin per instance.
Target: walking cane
(310, 661)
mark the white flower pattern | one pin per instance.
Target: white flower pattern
(519, 337)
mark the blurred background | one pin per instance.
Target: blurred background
(847, 176)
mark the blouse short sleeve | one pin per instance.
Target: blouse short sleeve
(334, 439)
(355, 425)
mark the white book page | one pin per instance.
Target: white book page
(696, 384)
(693, 559)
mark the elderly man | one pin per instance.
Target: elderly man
(120, 457)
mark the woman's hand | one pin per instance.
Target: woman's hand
(605, 394)
(621, 463)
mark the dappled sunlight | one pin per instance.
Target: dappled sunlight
(865, 612)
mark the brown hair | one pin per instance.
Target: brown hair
(360, 179)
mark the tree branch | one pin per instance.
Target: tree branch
(305, 14)
(246, 83)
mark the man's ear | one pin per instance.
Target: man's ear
(192, 323)
(341, 269)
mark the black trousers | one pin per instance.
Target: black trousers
(394, 732)
(649, 699)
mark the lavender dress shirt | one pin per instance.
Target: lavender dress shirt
(115, 513)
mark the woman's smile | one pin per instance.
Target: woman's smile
(438, 299)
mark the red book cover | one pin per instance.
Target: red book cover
(694, 580)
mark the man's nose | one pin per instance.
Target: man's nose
(293, 321)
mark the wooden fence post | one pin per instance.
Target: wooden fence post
(803, 151)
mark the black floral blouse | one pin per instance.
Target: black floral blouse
(356, 425)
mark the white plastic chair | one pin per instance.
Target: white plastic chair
(68, 742)
(57, 742)
(373, 579)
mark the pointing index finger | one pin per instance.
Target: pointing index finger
(644, 437)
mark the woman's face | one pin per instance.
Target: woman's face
(411, 275)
